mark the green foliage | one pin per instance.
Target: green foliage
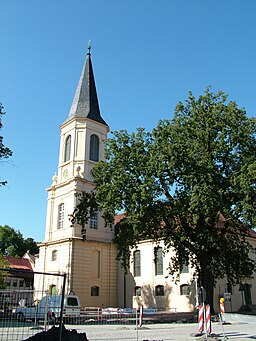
(3, 264)
(5, 152)
(86, 206)
(12, 243)
(190, 182)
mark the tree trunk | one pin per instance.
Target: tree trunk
(207, 282)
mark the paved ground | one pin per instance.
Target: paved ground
(166, 332)
(240, 328)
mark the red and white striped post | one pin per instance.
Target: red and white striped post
(201, 318)
(208, 319)
(141, 315)
(222, 305)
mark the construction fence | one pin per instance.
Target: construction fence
(25, 312)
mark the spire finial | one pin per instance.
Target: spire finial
(89, 46)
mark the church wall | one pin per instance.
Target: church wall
(149, 281)
(238, 296)
(61, 194)
(95, 264)
(57, 264)
(174, 297)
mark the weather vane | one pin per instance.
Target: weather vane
(89, 45)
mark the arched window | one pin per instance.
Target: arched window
(185, 290)
(94, 220)
(94, 148)
(95, 291)
(54, 255)
(137, 291)
(247, 294)
(184, 269)
(67, 148)
(136, 263)
(159, 290)
(158, 251)
(52, 289)
(61, 216)
(229, 288)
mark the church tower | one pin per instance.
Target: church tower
(90, 266)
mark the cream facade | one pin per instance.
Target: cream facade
(148, 283)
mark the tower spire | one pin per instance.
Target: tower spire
(85, 102)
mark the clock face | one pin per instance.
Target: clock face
(65, 174)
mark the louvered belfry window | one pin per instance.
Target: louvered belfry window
(61, 216)
(67, 148)
(94, 148)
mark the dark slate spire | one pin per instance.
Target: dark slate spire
(85, 102)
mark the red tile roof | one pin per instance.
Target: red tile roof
(118, 218)
(19, 263)
(251, 232)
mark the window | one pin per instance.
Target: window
(94, 148)
(159, 290)
(95, 291)
(14, 282)
(72, 301)
(67, 148)
(247, 294)
(185, 290)
(21, 284)
(184, 268)
(61, 216)
(54, 255)
(158, 251)
(28, 283)
(52, 289)
(94, 220)
(137, 291)
(136, 263)
(229, 288)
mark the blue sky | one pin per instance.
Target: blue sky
(146, 56)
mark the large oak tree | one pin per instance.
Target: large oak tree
(190, 182)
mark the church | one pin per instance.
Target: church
(92, 271)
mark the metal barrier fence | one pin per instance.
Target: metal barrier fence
(98, 316)
(14, 327)
(24, 311)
